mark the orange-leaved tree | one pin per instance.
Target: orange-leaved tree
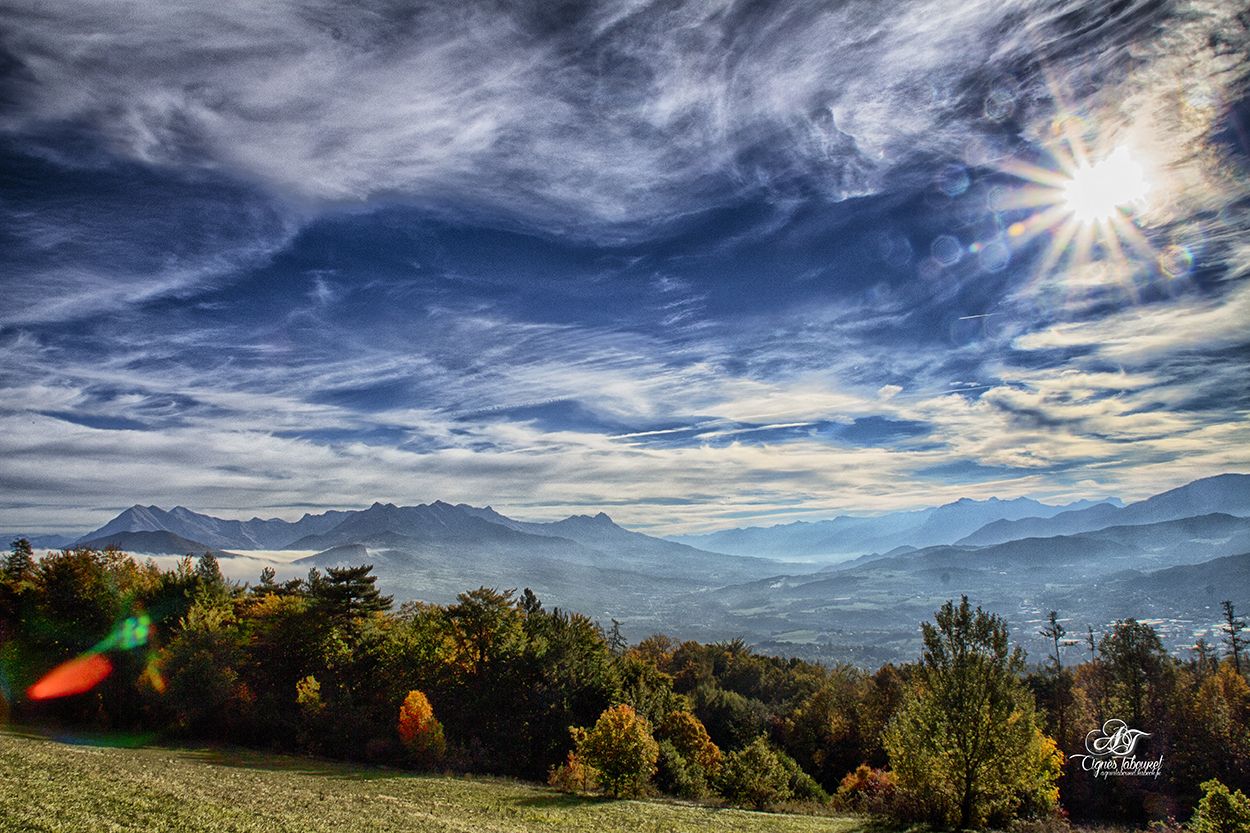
(420, 731)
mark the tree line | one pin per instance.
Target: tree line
(969, 735)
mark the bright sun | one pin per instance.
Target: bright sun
(1096, 192)
(1089, 204)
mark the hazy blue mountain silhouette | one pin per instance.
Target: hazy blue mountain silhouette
(851, 535)
(1227, 493)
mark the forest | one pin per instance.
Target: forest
(971, 734)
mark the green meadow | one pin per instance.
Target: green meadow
(46, 785)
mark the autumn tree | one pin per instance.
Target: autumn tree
(648, 689)
(965, 744)
(690, 738)
(826, 730)
(620, 746)
(1216, 739)
(419, 731)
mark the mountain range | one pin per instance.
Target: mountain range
(853, 587)
(1229, 493)
(846, 536)
(435, 551)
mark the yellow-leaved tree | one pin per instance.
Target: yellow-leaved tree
(620, 747)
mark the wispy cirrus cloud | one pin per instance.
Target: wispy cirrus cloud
(704, 263)
(600, 120)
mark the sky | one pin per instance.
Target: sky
(695, 264)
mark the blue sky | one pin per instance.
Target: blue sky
(697, 264)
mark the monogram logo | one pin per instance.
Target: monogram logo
(1111, 750)
(1114, 738)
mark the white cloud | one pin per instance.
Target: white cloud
(1139, 334)
(635, 114)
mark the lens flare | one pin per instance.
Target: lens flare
(152, 675)
(85, 671)
(77, 676)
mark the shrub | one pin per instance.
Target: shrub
(803, 787)
(574, 776)
(1051, 824)
(754, 776)
(679, 776)
(867, 790)
(420, 731)
(1220, 810)
(621, 748)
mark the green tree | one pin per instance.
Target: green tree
(677, 775)
(19, 565)
(731, 719)
(486, 629)
(349, 592)
(1136, 668)
(620, 746)
(79, 599)
(965, 744)
(564, 676)
(1221, 810)
(16, 589)
(201, 666)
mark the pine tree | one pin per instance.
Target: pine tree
(1233, 626)
(20, 564)
(616, 640)
(348, 592)
(1055, 631)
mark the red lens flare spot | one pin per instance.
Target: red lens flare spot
(73, 677)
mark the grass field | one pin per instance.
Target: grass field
(78, 788)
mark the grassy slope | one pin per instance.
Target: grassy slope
(49, 786)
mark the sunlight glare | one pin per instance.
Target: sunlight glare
(1096, 192)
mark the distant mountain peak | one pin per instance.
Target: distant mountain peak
(598, 519)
